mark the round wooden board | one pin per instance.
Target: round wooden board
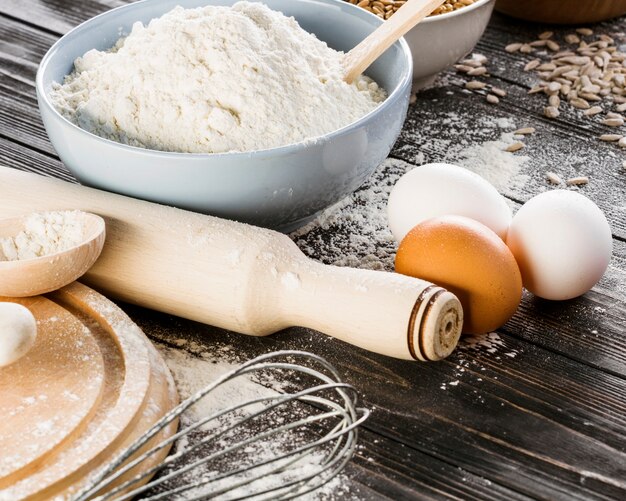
(89, 387)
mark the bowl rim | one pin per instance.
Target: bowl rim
(458, 12)
(405, 80)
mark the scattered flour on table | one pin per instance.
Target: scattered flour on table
(214, 79)
(490, 343)
(490, 160)
(44, 234)
(355, 232)
(489, 346)
(193, 368)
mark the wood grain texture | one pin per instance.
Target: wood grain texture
(536, 422)
(540, 412)
(56, 16)
(101, 386)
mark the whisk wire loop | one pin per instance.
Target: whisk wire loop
(284, 474)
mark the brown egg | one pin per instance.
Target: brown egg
(469, 260)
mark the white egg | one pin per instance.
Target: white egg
(439, 189)
(562, 243)
(18, 331)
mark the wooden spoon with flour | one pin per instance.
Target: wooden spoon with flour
(39, 253)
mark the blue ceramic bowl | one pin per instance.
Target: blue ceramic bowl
(280, 188)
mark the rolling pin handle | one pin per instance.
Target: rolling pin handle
(386, 313)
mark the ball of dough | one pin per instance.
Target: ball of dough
(18, 331)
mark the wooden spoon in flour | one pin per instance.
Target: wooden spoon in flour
(38, 275)
(358, 59)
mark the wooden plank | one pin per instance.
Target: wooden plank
(19, 116)
(21, 157)
(385, 472)
(56, 16)
(21, 49)
(20, 53)
(531, 421)
(590, 328)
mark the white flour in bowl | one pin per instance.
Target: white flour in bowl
(214, 79)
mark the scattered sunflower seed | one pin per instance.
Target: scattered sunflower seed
(589, 96)
(572, 38)
(553, 178)
(553, 46)
(553, 88)
(516, 146)
(592, 89)
(579, 103)
(474, 63)
(531, 65)
(577, 181)
(463, 68)
(586, 32)
(482, 59)
(545, 35)
(554, 100)
(474, 72)
(613, 122)
(611, 137)
(513, 47)
(498, 92)
(622, 144)
(545, 66)
(475, 85)
(594, 110)
(551, 112)
(492, 99)
(525, 130)
(526, 48)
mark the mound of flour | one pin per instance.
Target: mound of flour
(214, 79)
(44, 234)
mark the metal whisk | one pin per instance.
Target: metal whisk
(278, 446)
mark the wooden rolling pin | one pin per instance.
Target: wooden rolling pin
(243, 278)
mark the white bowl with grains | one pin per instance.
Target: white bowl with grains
(444, 37)
(235, 109)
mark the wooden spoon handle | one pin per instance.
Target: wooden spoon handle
(358, 59)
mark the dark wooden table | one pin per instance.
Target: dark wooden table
(540, 415)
